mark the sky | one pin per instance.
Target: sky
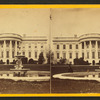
(30, 21)
(75, 21)
(36, 22)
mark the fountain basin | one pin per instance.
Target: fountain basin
(79, 76)
(24, 69)
(29, 76)
(45, 78)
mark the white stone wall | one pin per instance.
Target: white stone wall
(91, 38)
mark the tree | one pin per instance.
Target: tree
(50, 57)
(62, 60)
(80, 61)
(41, 58)
(24, 60)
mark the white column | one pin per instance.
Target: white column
(10, 49)
(96, 48)
(20, 45)
(4, 48)
(15, 48)
(85, 50)
(73, 51)
(80, 50)
(90, 53)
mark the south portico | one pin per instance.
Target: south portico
(86, 46)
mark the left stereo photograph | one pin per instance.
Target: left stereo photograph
(25, 51)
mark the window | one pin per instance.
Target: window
(99, 54)
(35, 46)
(76, 55)
(57, 55)
(7, 44)
(70, 46)
(24, 53)
(64, 46)
(13, 54)
(41, 46)
(1, 45)
(29, 46)
(93, 55)
(7, 55)
(57, 46)
(82, 45)
(98, 44)
(87, 44)
(70, 55)
(87, 55)
(82, 55)
(76, 46)
(93, 44)
(64, 55)
(29, 54)
(17, 53)
(35, 54)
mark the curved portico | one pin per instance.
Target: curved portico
(90, 47)
(9, 43)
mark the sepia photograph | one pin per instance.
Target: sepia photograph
(49, 50)
(24, 51)
(75, 64)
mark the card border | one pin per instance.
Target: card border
(51, 6)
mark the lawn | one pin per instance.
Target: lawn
(56, 69)
(73, 86)
(23, 87)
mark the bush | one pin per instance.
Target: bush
(24, 60)
(41, 58)
(80, 61)
(31, 61)
(1, 62)
(62, 61)
(14, 62)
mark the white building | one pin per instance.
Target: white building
(86, 46)
(31, 47)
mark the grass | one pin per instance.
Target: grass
(73, 86)
(64, 68)
(23, 87)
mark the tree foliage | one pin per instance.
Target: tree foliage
(31, 61)
(80, 61)
(62, 61)
(50, 57)
(24, 60)
(41, 58)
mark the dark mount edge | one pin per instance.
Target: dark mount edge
(49, 1)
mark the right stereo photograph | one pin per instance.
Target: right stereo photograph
(75, 50)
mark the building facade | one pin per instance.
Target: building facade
(31, 47)
(86, 46)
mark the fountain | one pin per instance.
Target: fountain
(24, 74)
(93, 75)
(19, 70)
